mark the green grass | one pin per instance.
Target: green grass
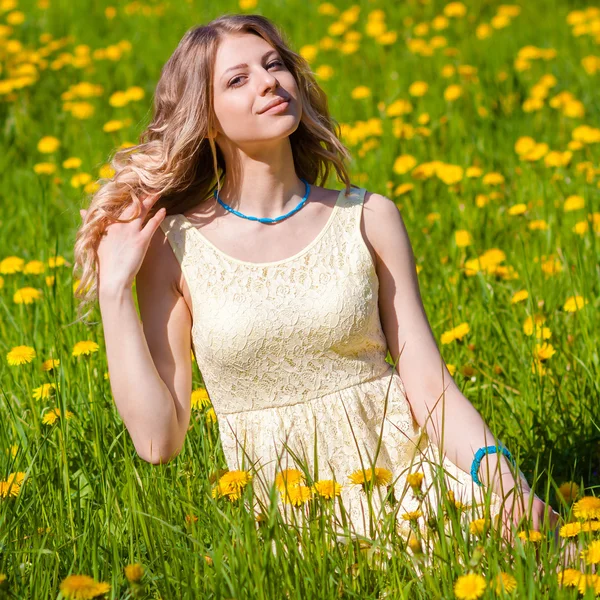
(89, 505)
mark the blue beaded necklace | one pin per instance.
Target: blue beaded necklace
(265, 219)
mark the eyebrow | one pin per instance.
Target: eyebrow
(245, 64)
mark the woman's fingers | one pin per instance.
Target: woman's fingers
(154, 223)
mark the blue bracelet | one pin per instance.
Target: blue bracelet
(479, 457)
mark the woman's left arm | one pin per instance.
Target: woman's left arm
(450, 420)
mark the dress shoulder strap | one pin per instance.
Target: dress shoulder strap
(174, 229)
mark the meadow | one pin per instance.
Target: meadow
(481, 120)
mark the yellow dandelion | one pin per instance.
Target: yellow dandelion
(297, 495)
(34, 267)
(412, 515)
(50, 364)
(573, 203)
(519, 296)
(568, 491)
(569, 577)
(589, 581)
(11, 265)
(453, 92)
(570, 530)
(493, 178)
(235, 481)
(73, 162)
(53, 415)
(113, 125)
(288, 478)
(134, 572)
(404, 163)
(27, 295)
(82, 587)
(463, 238)
(517, 209)
(590, 526)
(418, 88)
(574, 303)
(544, 351)
(56, 261)
(504, 582)
(469, 587)
(85, 347)
(48, 145)
(211, 416)
(20, 355)
(415, 480)
(532, 535)
(591, 554)
(360, 92)
(587, 507)
(12, 486)
(44, 168)
(46, 390)
(200, 398)
(478, 526)
(382, 476)
(327, 488)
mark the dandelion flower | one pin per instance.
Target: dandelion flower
(134, 572)
(235, 481)
(591, 554)
(46, 390)
(574, 303)
(48, 145)
(569, 577)
(297, 495)
(11, 265)
(570, 529)
(327, 488)
(50, 364)
(288, 478)
(415, 480)
(26, 295)
(478, 526)
(82, 587)
(20, 355)
(504, 582)
(84, 347)
(587, 508)
(589, 581)
(469, 587)
(568, 491)
(200, 398)
(532, 535)
(413, 515)
(589, 526)
(382, 476)
(53, 415)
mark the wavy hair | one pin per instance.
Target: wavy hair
(177, 159)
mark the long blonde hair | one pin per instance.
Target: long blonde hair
(176, 158)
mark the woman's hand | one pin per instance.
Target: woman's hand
(520, 504)
(122, 247)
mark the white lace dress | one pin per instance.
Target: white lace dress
(293, 349)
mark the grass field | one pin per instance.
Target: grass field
(482, 121)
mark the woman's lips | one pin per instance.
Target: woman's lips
(281, 107)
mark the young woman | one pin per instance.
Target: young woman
(290, 293)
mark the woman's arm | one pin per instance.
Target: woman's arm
(150, 362)
(450, 420)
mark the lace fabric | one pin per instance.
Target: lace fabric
(293, 349)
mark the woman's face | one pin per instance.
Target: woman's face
(241, 93)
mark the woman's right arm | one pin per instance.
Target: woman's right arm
(150, 362)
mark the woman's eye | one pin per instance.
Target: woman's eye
(233, 84)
